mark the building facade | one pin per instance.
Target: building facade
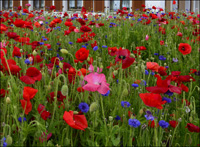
(99, 5)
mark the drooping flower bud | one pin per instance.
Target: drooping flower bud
(94, 106)
(9, 140)
(34, 53)
(64, 90)
(64, 51)
(60, 64)
(8, 100)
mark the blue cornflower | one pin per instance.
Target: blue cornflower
(146, 72)
(162, 58)
(163, 124)
(134, 85)
(143, 83)
(58, 43)
(127, 17)
(95, 48)
(106, 36)
(3, 141)
(166, 66)
(71, 43)
(117, 81)
(117, 117)
(27, 61)
(104, 46)
(83, 107)
(44, 39)
(46, 22)
(134, 123)
(84, 46)
(125, 104)
(41, 43)
(152, 73)
(166, 99)
(20, 119)
(115, 17)
(149, 116)
(110, 26)
(133, 19)
(156, 54)
(139, 19)
(169, 93)
(106, 93)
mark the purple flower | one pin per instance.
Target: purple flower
(175, 60)
(149, 116)
(163, 124)
(117, 117)
(166, 99)
(125, 104)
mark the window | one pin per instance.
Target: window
(39, 4)
(119, 4)
(75, 4)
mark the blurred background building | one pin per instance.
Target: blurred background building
(101, 5)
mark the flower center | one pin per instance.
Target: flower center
(122, 57)
(183, 48)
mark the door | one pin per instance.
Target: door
(24, 2)
(48, 4)
(59, 5)
(119, 4)
(88, 4)
(137, 4)
(99, 6)
(16, 4)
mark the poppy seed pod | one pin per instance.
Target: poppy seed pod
(141, 111)
(64, 90)
(94, 106)
(34, 53)
(88, 59)
(9, 140)
(115, 72)
(190, 119)
(14, 127)
(64, 51)
(61, 65)
(125, 92)
(8, 100)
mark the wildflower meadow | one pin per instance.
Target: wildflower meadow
(114, 79)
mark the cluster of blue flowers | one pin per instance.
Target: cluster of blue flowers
(134, 123)
(83, 107)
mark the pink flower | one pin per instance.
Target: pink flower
(96, 82)
(147, 37)
(97, 26)
(76, 30)
(28, 5)
(109, 16)
(43, 137)
(2, 44)
(91, 69)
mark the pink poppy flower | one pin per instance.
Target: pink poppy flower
(147, 37)
(96, 82)
(91, 69)
(2, 44)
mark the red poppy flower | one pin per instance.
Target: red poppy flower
(184, 48)
(55, 60)
(162, 42)
(32, 75)
(163, 86)
(12, 35)
(60, 97)
(85, 29)
(152, 66)
(141, 48)
(3, 92)
(152, 100)
(75, 121)
(26, 105)
(19, 8)
(67, 32)
(80, 89)
(112, 51)
(19, 23)
(29, 93)
(124, 56)
(68, 23)
(25, 11)
(192, 128)
(152, 124)
(173, 123)
(43, 113)
(82, 54)
(162, 71)
(16, 52)
(94, 44)
(90, 61)
(174, 2)
(52, 7)
(14, 69)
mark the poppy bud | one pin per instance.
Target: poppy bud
(67, 142)
(50, 143)
(61, 65)
(64, 90)
(101, 66)
(88, 59)
(191, 107)
(140, 56)
(81, 77)
(190, 119)
(64, 51)
(2, 75)
(34, 53)
(110, 118)
(48, 87)
(9, 140)
(8, 100)
(75, 112)
(21, 50)
(14, 127)
(141, 111)
(125, 92)
(115, 72)
(94, 106)
(132, 55)
(110, 79)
